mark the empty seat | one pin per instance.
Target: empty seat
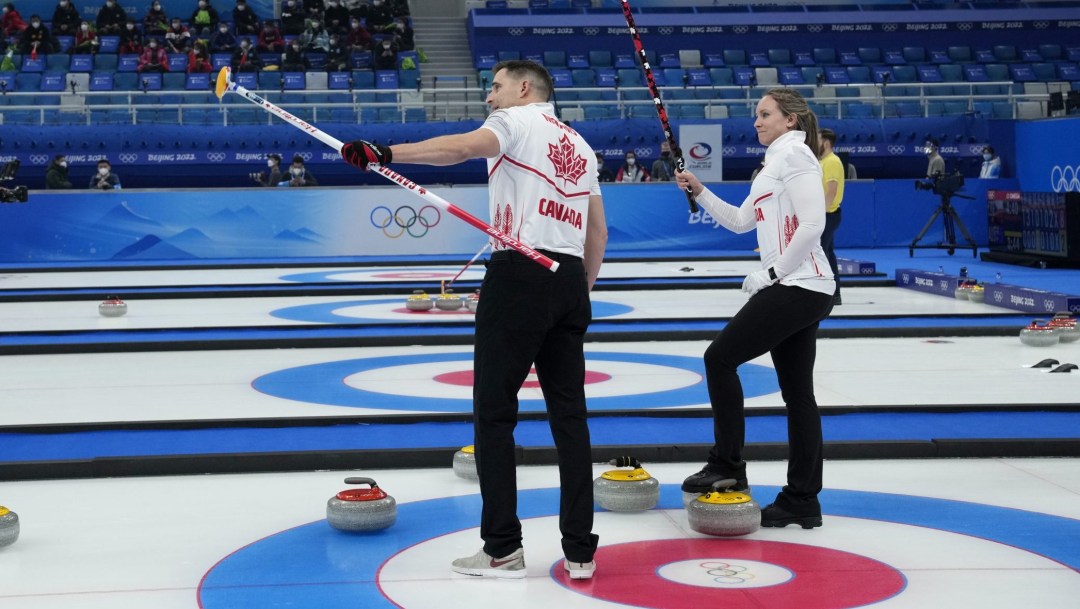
(675, 77)
(997, 72)
(1050, 52)
(555, 59)
(509, 55)
(126, 81)
(125, 63)
(721, 77)
(105, 62)
(714, 60)
(790, 76)
(668, 60)
(57, 62)
(905, 74)
(1044, 72)
(1030, 109)
(1003, 110)
(869, 55)
(583, 78)
(824, 56)
(173, 81)
(849, 58)
(939, 56)
(893, 57)
(803, 58)
(951, 72)
(779, 57)
(766, 76)
(930, 73)
(363, 79)
(914, 54)
(269, 80)
(690, 58)
(81, 63)
(600, 58)
(734, 57)
(859, 74)
(178, 62)
(811, 74)
(960, 54)
(1021, 72)
(108, 44)
(757, 59)
(1005, 52)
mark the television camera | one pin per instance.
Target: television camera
(946, 187)
(18, 194)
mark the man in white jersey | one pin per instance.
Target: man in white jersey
(543, 191)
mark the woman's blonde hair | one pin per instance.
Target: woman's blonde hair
(791, 103)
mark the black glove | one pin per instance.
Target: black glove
(362, 153)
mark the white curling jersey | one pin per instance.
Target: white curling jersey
(539, 185)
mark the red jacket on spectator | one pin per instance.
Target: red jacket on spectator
(11, 24)
(151, 56)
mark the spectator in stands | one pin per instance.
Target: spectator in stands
(270, 38)
(204, 19)
(663, 168)
(244, 19)
(223, 39)
(177, 37)
(386, 55)
(11, 23)
(398, 8)
(104, 179)
(292, 18)
(336, 17)
(244, 59)
(402, 34)
(294, 59)
(358, 9)
(86, 41)
(314, 8)
(315, 38)
(111, 19)
(199, 59)
(832, 179)
(56, 175)
(131, 40)
(359, 39)
(153, 58)
(936, 164)
(272, 175)
(36, 39)
(631, 171)
(991, 167)
(65, 19)
(603, 173)
(378, 16)
(298, 175)
(155, 22)
(337, 59)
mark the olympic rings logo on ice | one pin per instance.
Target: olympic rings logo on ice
(516, 31)
(665, 30)
(897, 149)
(127, 158)
(406, 220)
(591, 31)
(1065, 179)
(889, 27)
(215, 157)
(965, 26)
(740, 29)
(724, 573)
(39, 159)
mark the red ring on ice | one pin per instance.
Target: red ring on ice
(464, 378)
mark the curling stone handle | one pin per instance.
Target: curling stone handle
(369, 481)
(722, 485)
(625, 461)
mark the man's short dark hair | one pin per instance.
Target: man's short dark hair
(531, 71)
(933, 142)
(106, 161)
(274, 157)
(989, 149)
(828, 134)
(298, 159)
(59, 157)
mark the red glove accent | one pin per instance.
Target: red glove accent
(362, 153)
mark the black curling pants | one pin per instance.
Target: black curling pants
(530, 317)
(781, 320)
(832, 222)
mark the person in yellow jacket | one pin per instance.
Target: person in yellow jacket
(832, 178)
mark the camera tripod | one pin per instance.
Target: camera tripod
(952, 221)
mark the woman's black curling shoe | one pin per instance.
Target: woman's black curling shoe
(773, 515)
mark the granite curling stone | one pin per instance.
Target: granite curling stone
(112, 307)
(977, 294)
(1065, 325)
(724, 512)
(361, 509)
(465, 463)
(9, 527)
(473, 301)
(449, 301)
(419, 301)
(1039, 334)
(621, 490)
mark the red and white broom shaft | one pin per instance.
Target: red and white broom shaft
(680, 164)
(388, 173)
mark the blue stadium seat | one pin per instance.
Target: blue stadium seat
(882, 74)
(984, 109)
(555, 59)
(363, 79)
(859, 74)
(1030, 55)
(675, 77)
(386, 79)
(869, 55)
(64, 43)
(694, 111)
(837, 75)
(81, 63)
(939, 56)
(984, 56)
(1022, 72)
(1003, 110)
(714, 60)
(509, 55)
(1044, 71)
(669, 60)
(893, 57)
(173, 81)
(803, 58)
(734, 57)
(57, 62)
(126, 81)
(1005, 52)
(758, 59)
(630, 78)
(34, 65)
(824, 56)
(779, 57)
(997, 72)
(125, 63)
(245, 116)
(108, 44)
(149, 82)
(363, 60)
(343, 115)
(974, 72)
(720, 77)
(956, 108)
(605, 77)
(178, 62)
(415, 115)
(105, 62)
(951, 72)
(561, 77)
(600, 59)
(849, 58)
(1072, 53)
(905, 74)
(930, 73)
(959, 54)
(7, 82)
(52, 81)
(743, 75)
(857, 110)
(914, 54)
(269, 80)
(791, 75)
(409, 79)
(577, 61)
(220, 60)
(1069, 72)
(810, 74)
(318, 60)
(597, 113)
(293, 81)
(625, 60)
(1050, 52)
(247, 80)
(583, 78)
(935, 108)
(197, 82)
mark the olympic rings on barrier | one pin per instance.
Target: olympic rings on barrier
(406, 219)
(1065, 179)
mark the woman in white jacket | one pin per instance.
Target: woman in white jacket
(788, 298)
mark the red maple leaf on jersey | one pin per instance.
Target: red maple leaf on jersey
(568, 164)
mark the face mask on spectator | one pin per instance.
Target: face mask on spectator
(84, 27)
(104, 171)
(224, 29)
(35, 24)
(986, 156)
(630, 160)
(62, 163)
(296, 171)
(130, 26)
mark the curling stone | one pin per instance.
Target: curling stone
(419, 301)
(724, 512)
(112, 307)
(361, 509)
(465, 463)
(448, 301)
(1039, 334)
(9, 527)
(621, 490)
(977, 294)
(1066, 327)
(473, 301)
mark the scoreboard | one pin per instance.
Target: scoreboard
(1036, 224)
